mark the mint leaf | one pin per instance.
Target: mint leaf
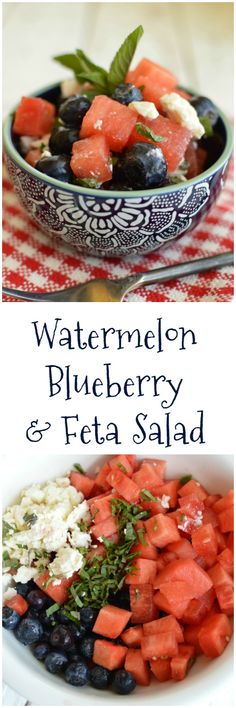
(71, 61)
(90, 72)
(204, 120)
(148, 133)
(184, 480)
(148, 496)
(30, 519)
(122, 60)
(91, 183)
(78, 468)
(50, 611)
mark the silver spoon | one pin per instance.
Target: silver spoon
(106, 290)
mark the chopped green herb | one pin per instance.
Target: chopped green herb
(148, 133)
(30, 519)
(7, 529)
(50, 611)
(137, 593)
(49, 580)
(184, 480)
(148, 496)
(5, 556)
(182, 517)
(11, 563)
(121, 467)
(91, 184)
(78, 468)
(141, 537)
(204, 120)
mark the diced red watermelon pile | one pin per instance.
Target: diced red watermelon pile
(184, 567)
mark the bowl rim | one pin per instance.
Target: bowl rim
(12, 152)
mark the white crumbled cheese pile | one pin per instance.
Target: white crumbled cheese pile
(147, 109)
(181, 111)
(46, 519)
(184, 525)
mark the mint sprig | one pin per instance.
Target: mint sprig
(102, 81)
(148, 133)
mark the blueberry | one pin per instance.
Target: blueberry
(29, 631)
(86, 646)
(143, 166)
(88, 616)
(57, 166)
(56, 661)
(73, 654)
(73, 110)
(205, 107)
(33, 614)
(77, 673)
(123, 682)
(24, 588)
(126, 93)
(10, 618)
(99, 677)
(41, 650)
(61, 141)
(37, 599)
(62, 637)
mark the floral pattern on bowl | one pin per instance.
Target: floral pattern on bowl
(111, 226)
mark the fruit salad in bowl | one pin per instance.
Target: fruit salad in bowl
(121, 581)
(117, 161)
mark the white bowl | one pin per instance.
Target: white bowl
(207, 680)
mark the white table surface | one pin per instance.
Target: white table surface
(195, 40)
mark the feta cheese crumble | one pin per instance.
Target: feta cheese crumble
(98, 124)
(45, 520)
(182, 112)
(147, 109)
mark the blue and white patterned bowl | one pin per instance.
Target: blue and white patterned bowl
(107, 223)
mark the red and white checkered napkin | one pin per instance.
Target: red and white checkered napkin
(34, 261)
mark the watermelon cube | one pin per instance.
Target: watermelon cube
(111, 119)
(156, 645)
(135, 663)
(82, 483)
(193, 487)
(58, 593)
(187, 570)
(204, 540)
(215, 634)
(91, 159)
(159, 74)
(161, 669)
(124, 485)
(142, 604)
(161, 530)
(110, 656)
(151, 473)
(34, 117)
(111, 621)
(105, 528)
(164, 624)
(176, 137)
(132, 636)
(144, 572)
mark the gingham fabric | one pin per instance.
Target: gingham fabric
(33, 261)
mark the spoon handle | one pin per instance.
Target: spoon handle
(199, 265)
